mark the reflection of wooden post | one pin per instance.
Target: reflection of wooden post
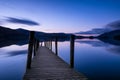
(30, 48)
(56, 46)
(72, 38)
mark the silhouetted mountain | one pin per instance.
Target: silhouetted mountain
(10, 34)
(44, 36)
(18, 33)
(112, 37)
(23, 31)
(20, 36)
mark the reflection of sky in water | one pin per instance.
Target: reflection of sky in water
(13, 50)
(96, 62)
(12, 62)
(63, 51)
(95, 59)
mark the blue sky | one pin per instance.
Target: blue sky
(60, 15)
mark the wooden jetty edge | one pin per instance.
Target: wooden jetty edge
(46, 65)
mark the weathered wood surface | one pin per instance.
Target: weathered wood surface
(48, 66)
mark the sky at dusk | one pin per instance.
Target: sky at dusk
(58, 15)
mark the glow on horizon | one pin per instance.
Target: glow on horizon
(61, 15)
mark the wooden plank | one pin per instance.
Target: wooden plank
(48, 66)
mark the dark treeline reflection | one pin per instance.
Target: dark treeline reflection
(11, 42)
(20, 42)
(93, 42)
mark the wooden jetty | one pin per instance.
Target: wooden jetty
(46, 65)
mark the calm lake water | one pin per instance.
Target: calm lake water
(95, 59)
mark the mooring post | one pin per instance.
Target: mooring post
(44, 44)
(56, 45)
(72, 39)
(51, 45)
(37, 44)
(30, 48)
(34, 46)
(41, 43)
(48, 44)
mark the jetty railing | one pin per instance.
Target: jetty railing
(34, 44)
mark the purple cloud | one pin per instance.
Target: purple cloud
(22, 21)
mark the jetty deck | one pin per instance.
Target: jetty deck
(48, 66)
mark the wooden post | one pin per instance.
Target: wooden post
(56, 46)
(30, 48)
(51, 45)
(41, 44)
(48, 44)
(37, 44)
(44, 43)
(72, 38)
(34, 47)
